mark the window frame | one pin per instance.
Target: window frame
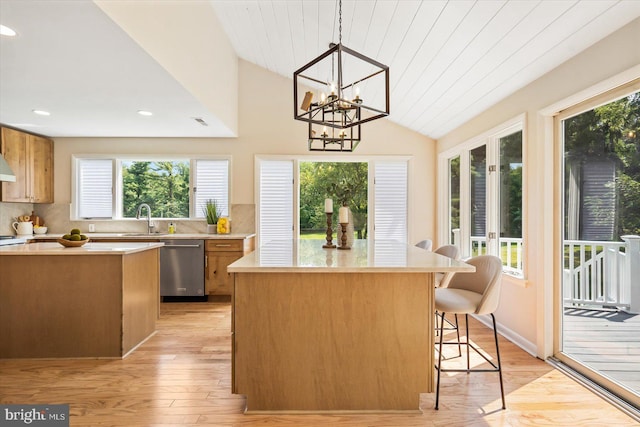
(117, 183)
(491, 139)
(297, 159)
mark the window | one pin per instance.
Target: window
(385, 210)
(390, 187)
(338, 181)
(276, 200)
(484, 206)
(114, 187)
(95, 188)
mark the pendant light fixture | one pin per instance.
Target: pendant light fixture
(342, 89)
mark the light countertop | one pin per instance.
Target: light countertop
(90, 248)
(365, 256)
(145, 236)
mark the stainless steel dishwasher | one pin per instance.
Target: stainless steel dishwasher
(182, 268)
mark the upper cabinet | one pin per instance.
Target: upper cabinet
(30, 157)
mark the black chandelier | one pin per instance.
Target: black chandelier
(336, 79)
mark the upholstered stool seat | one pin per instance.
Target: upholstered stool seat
(471, 293)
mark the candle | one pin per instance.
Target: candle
(343, 215)
(357, 99)
(328, 205)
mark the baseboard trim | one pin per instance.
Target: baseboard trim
(509, 334)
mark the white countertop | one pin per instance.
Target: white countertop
(90, 248)
(145, 236)
(365, 256)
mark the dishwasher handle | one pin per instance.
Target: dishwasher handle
(181, 246)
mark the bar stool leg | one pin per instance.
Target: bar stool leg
(495, 335)
(439, 361)
(466, 325)
(458, 334)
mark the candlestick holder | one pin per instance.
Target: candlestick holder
(329, 243)
(343, 240)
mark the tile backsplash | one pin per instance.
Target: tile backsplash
(9, 213)
(56, 217)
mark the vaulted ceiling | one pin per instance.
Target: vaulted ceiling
(449, 60)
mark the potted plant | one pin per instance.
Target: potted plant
(212, 213)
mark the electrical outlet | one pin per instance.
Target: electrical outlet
(92, 228)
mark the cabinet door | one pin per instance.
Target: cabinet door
(220, 282)
(14, 150)
(41, 156)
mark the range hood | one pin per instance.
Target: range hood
(6, 174)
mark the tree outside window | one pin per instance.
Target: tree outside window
(163, 185)
(339, 181)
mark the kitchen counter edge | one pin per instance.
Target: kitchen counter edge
(91, 248)
(154, 236)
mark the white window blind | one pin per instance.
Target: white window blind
(95, 188)
(390, 205)
(212, 182)
(276, 200)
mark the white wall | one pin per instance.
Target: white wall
(522, 308)
(266, 126)
(208, 68)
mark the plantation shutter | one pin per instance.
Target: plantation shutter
(276, 201)
(211, 182)
(390, 211)
(94, 183)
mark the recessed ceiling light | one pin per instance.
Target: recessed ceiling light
(6, 31)
(145, 113)
(41, 112)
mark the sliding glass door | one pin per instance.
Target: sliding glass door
(600, 295)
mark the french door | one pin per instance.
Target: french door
(485, 197)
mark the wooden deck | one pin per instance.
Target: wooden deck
(181, 377)
(607, 341)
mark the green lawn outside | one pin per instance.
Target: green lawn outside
(318, 235)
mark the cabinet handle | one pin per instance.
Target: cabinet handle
(218, 245)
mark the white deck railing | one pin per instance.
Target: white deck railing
(510, 252)
(594, 274)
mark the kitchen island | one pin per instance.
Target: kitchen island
(327, 330)
(98, 300)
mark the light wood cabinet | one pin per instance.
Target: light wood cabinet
(30, 157)
(219, 254)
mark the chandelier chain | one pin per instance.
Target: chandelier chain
(340, 22)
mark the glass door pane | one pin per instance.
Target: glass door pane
(338, 181)
(478, 199)
(600, 321)
(454, 201)
(510, 207)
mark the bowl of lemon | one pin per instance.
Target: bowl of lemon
(74, 239)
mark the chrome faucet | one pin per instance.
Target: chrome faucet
(150, 225)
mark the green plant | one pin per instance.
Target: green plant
(211, 211)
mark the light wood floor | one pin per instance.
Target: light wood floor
(606, 341)
(181, 376)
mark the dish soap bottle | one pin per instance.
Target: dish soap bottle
(172, 228)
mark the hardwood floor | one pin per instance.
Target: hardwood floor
(181, 376)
